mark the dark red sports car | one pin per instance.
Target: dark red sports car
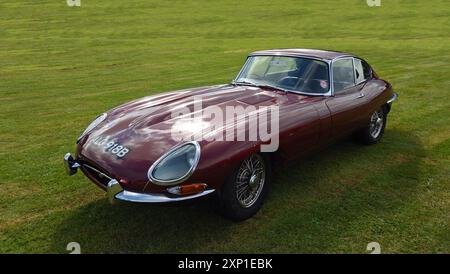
(182, 145)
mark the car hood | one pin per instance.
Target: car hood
(145, 126)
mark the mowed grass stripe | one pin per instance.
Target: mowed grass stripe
(62, 66)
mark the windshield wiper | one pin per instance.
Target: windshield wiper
(244, 83)
(248, 83)
(272, 87)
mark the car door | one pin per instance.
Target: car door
(347, 103)
(299, 126)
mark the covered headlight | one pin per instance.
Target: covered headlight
(176, 165)
(94, 123)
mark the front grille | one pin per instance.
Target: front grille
(96, 174)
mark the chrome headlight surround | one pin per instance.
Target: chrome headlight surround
(92, 125)
(170, 155)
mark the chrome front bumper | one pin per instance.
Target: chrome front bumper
(393, 98)
(117, 193)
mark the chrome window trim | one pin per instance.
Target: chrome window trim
(242, 69)
(328, 62)
(181, 179)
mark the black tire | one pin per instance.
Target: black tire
(369, 135)
(228, 203)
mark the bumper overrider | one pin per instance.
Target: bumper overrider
(115, 191)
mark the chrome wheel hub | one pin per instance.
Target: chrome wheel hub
(250, 180)
(254, 180)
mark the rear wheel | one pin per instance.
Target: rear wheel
(374, 130)
(243, 193)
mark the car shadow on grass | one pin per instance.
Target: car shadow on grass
(348, 193)
(314, 206)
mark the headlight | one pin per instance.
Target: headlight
(94, 123)
(176, 165)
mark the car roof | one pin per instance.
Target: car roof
(314, 53)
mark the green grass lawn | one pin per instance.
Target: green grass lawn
(61, 66)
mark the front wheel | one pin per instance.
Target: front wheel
(374, 130)
(243, 192)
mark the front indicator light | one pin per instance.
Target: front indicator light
(187, 189)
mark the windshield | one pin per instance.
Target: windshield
(288, 73)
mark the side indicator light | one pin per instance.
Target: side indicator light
(124, 181)
(187, 189)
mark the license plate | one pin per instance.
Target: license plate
(111, 146)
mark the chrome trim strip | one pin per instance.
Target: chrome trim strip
(393, 98)
(179, 180)
(242, 69)
(115, 192)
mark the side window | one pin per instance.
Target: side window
(343, 75)
(367, 70)
(362, 71)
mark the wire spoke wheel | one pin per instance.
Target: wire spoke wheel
(250, 180)
(376, 123)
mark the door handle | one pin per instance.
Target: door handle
(361, 95)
